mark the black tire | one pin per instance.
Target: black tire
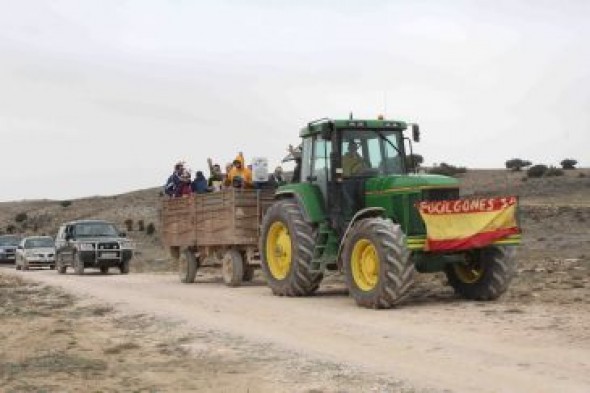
(25, 265)
(16, 265)
(124, 267)
(297, 279)
(61, 268)
(485, 275)
(377, 263)
(51, 267)
(187, 266)
(104, 270)
(78, 264)
(232, 268)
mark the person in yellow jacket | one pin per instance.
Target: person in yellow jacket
(239, 175)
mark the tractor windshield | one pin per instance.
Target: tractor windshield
(372, 152)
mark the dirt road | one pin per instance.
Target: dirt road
(444, 345)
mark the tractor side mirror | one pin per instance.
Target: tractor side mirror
(415, 133)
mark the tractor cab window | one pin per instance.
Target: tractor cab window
(370, 152)
(320, 171)
(306, 159)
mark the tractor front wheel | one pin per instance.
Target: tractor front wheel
(287, 244)
(377, 264)
(485, 274)
(187, 266)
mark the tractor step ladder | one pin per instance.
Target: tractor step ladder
(323, 252)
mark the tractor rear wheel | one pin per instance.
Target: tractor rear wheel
(287, 244)
(187, 266)
(377, 263)
(485, 274)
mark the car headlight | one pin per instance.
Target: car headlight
(126, 245)
(86, 247)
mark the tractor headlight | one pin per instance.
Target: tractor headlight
(86, 247)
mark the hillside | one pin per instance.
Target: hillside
(555, 214)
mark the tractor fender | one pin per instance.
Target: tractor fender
(363, 213)
(293, 195)
(308, 198)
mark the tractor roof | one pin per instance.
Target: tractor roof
(318, 126)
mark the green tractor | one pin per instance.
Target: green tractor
(354, 209)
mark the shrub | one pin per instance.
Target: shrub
(581, 174)
(140, 225)
(129, 224)
(537, 170)
(10, 229)
(516, 164)
(65, 203)
(553, 171)
(414, 161)
(568, 163)
(150, 229)
(447, 169)
(20, 217)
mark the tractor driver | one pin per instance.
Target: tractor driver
(352, 162)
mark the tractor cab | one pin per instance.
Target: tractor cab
(340, 156)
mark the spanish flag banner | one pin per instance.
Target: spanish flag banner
(468, 223)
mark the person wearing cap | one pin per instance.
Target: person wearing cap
(239, 175)
(352, 162)
(173, 182)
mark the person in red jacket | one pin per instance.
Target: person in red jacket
(184, 187)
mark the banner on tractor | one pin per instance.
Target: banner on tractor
(463, 224)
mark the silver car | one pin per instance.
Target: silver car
(35, 251)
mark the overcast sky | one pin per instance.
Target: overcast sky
(103, 97)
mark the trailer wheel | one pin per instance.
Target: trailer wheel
(287, 244)
(248, 272)
(377, 263)
(187, 266)
(104, 270)
(485, 274)
(232, 268)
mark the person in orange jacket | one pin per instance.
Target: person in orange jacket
(239, 176)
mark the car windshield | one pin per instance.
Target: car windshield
(9, 241)
(95, 229)
(41, 242)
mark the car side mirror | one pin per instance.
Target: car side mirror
(68, 236)
(122, 234)
(19, 247)
(415, 132)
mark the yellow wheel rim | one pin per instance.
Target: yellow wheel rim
(469, 272)
(365, 265)
(278, 250)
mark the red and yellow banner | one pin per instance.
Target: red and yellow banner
(468, 223)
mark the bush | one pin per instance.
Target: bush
(65, 203)
(516, 164)
(140, 225)
(150, 229)
(414, 161)
(568, 163)
(553, 171)
(20, 217)
(128, 224)
(537, 170)
(447, 169)
(10, 229)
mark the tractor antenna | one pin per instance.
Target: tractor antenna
(350, 116)
(384, 103)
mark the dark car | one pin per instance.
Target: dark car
(92, 244)
(8, 244)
